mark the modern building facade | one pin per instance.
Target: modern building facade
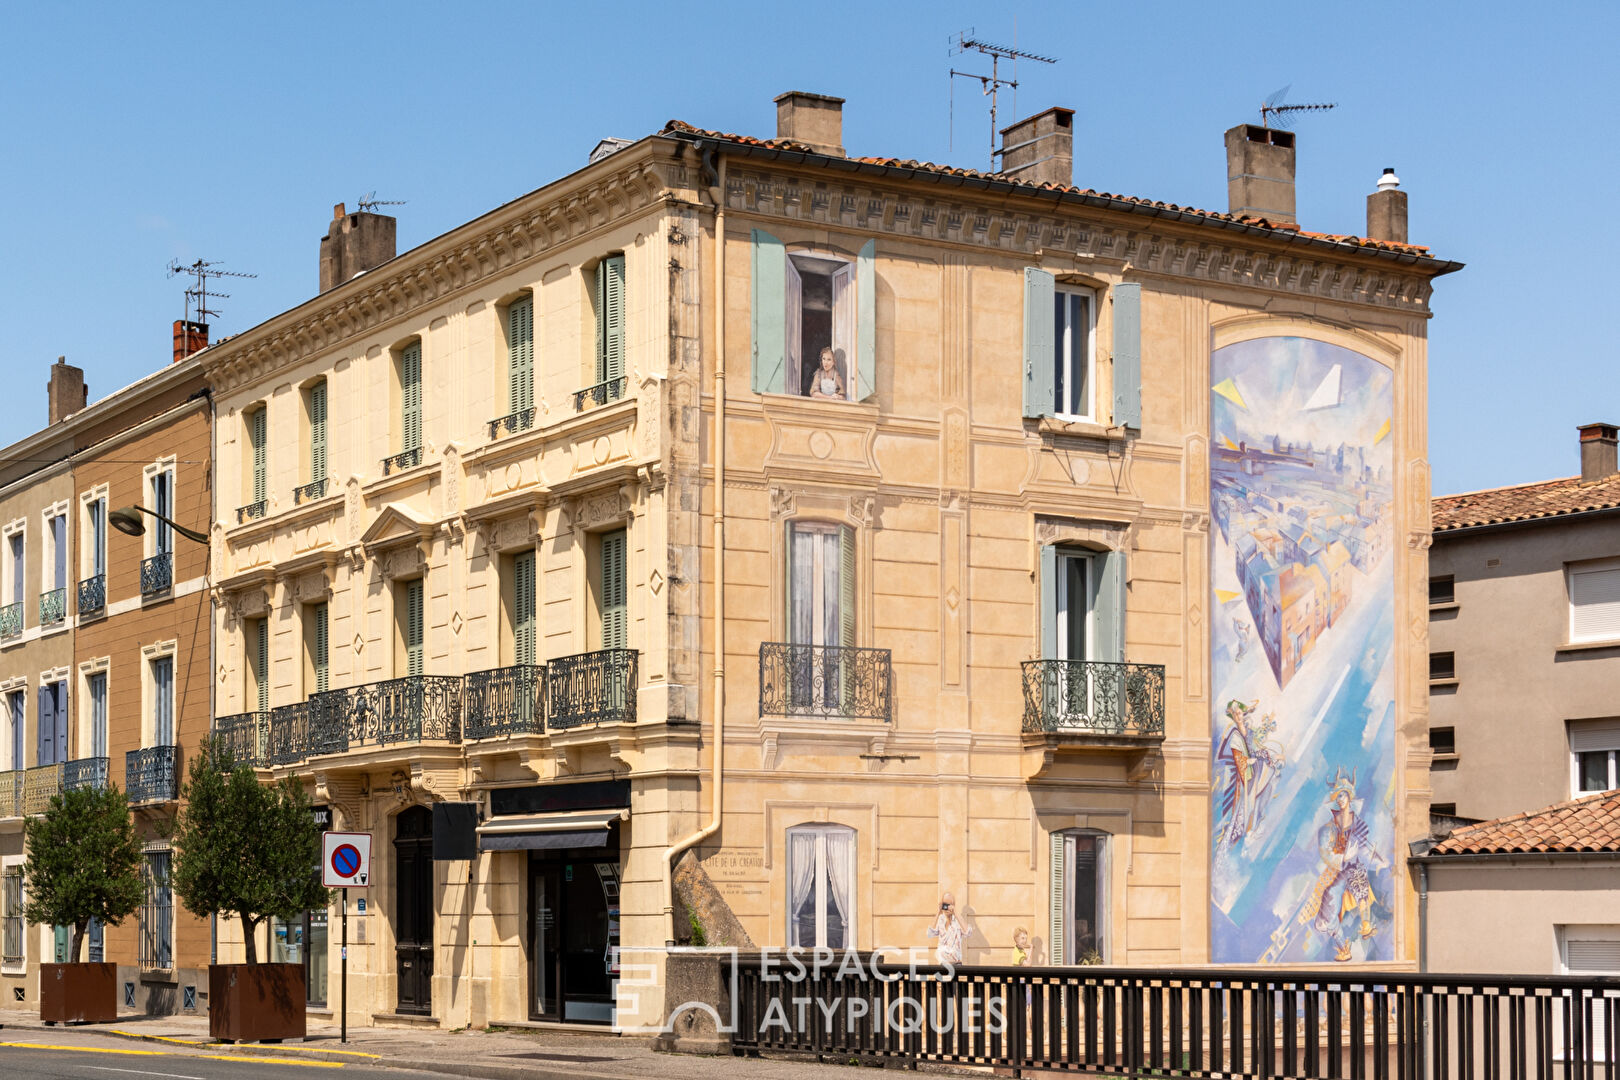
(847, 522)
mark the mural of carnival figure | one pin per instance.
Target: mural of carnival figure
(1301, 498)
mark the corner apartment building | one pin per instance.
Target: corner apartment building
(847, 522)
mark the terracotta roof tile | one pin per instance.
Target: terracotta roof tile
(683, 128)
(1591, 824)
(1525, 502)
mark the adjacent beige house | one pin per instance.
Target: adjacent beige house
(844, 521)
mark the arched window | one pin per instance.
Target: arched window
(821, 887)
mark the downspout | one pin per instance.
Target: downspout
(1423, 918)
(718, 748)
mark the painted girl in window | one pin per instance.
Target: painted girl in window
(826, 382)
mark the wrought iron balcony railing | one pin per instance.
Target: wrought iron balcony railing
(415, 709)
(592, 688)
(1093, 697)
(512, 423)
(90, 772)
(39, 784)
(11, 620)
(11, 793)
(157, 573)
(286, 737)
(93, 595)
(833, 681)
(244, 736)
(506, 701)
(253, 511)
(315, 489)
(601, 393)
(405, 459)
(53, 606)
(151, 774)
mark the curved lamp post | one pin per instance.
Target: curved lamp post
(127, 520)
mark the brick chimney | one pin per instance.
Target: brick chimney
(1386, 210)
(1260, 173)
(189, 337)
(66, 391)
(1598, 460)
(1040, 149)
(813, 119)
(353, 244)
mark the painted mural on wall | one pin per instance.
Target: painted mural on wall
(1302, 638)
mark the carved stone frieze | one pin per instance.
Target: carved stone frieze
(1109, 535)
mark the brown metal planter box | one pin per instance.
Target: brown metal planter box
(256, 1002)
(78, 993)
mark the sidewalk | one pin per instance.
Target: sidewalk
(501, 1054)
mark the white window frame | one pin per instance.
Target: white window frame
(1063, 354)
(8, 566)
(8, 864)
(87, 552)
(149, 474)
(1103, 930)
(18, 685)
(86, 742)
(821, 830)
(1064, 603)
(1607, 933)
(795, 364)
(47, 564)
(1571, 571)
(150, 653)
(818, 578)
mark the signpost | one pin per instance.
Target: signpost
(345, 864)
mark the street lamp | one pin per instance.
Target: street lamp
(127, 520)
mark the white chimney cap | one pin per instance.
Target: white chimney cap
(1389, 181)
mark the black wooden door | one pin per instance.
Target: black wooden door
(413, 907)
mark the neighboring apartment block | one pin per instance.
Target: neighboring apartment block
(1526, 718)
(875, 494)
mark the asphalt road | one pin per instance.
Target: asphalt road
(32, 1062)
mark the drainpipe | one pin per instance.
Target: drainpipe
(718, 749)
(1423, 918)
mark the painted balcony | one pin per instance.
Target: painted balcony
(512, 423)
(152, 774)
(157, 574)
(405, 459)
(592, 688)
(93, 595)
(11, 620)
(253, 511)
(1093, 702)
(90, 772)
(244, 736)
(832, 682)
(506, 701)
(315, 489)
(25, 792)
(53, 606)
(414, 710)
(601, 393)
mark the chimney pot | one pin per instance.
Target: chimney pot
(1260, 173)
(66, 392)
(1040, 149)
(816, 120)
(1598, 457)
(1386, 210)
(353, 244)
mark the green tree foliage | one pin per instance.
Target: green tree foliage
(242, 848)
(84, 862)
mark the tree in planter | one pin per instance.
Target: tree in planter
(242, 848)
(84, 862)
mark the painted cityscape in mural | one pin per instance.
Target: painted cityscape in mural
(1301, 641)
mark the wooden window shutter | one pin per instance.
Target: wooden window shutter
(520, 354)
(322, 658)
(610, 318)
(768, 311)
(410, 392)
(317, 432)
(1110, 609)
(846, 586)
(866, 321)
(615, 613)
(45, 733)
(523, 609)
(1048, 586)
(261, 675)
(256, 436)
(1040, 309)
(1055, 950)
(59, 536)
(1128, 355)
(413, 627)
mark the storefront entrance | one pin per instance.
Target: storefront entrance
(574, 934)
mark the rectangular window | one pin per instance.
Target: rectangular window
(163, 701)
(1443, 590)
(1442, 666)
(96, 684)
(821, 876)
(1074, 607)
(1443, 809)
(821, 584)
(16, 568)
(257, 642)
(1073, 338)
(821, 325)
(17, 715)
(157, 914)
(11, 914)
(614, 592)
(1082, 598)
(1443, 740)
(610, 324)
(520, 354)
(410, 625)
(1594, 601)
(53, 724)
(258, 422)
(1594, 746)
(95, 531)
(523, 609)
(317, 637)
(54, 570)
(163, 505)
(410, 397)
(317, 432)
(1079, 905)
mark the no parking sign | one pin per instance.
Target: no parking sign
(345, 860)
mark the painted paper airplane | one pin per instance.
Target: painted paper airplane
(1228, 390)
(1326, 394)
(1382, 432)
(1226, 596)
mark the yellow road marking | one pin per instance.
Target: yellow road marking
(312, 1050)
(152, 1038)
(162, 1053)
(270, 1061)
(83, 1049)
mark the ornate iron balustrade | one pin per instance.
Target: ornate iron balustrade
(252, 511)
(592, 688)
(39, 784)
(11, 793)
(53, 606)
(93, 595)
(512, 423)
(286, 738)
(11, 620)
(157, 573)
(506, 701)
(1093, 697)
(151, 775)
(834, 681)
(243, 736)
(405, 459)
(602, 392)
(90, 772)
(417, 708)
(315, 489)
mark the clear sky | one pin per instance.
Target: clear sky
(135, 134)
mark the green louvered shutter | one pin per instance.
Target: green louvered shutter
(615, 610)
(256, 437)
(322, 654)
(1055, 932)
(261, 654)
(1110, 610)
(866, 320)
(410, 387)
(1040, 299)
(768, 312)
(520, 354)
(1128, 355)
(413, 627)
(523, 605)
(610, 318)
(846, 586)
(317, 432)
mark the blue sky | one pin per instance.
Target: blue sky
(135, 134)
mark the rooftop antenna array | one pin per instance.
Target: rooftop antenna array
(199, 294)
(369, 202)
(990, 84)
(1273, 113)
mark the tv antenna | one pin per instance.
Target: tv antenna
(992, 83)
(199, 294)
(1273, 112)
(370, 202)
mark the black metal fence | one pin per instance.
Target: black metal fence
(592, 688)
(1093, 697)
(315, 489)
(1334, 1025)
(157, 573)
(506, 701)
(151, 774)
(417, 708)
(286, 738)
(831, 681)
(93, 595)
(53, 606)
(512, 423)
(244, 736)
(90, 772)
(405, 459)
(601, 393)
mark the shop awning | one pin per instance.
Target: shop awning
(568, 829)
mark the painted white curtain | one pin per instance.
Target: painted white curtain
(801, 886)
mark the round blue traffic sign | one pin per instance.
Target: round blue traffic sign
(346, 860)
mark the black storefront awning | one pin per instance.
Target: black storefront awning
(541, 832)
